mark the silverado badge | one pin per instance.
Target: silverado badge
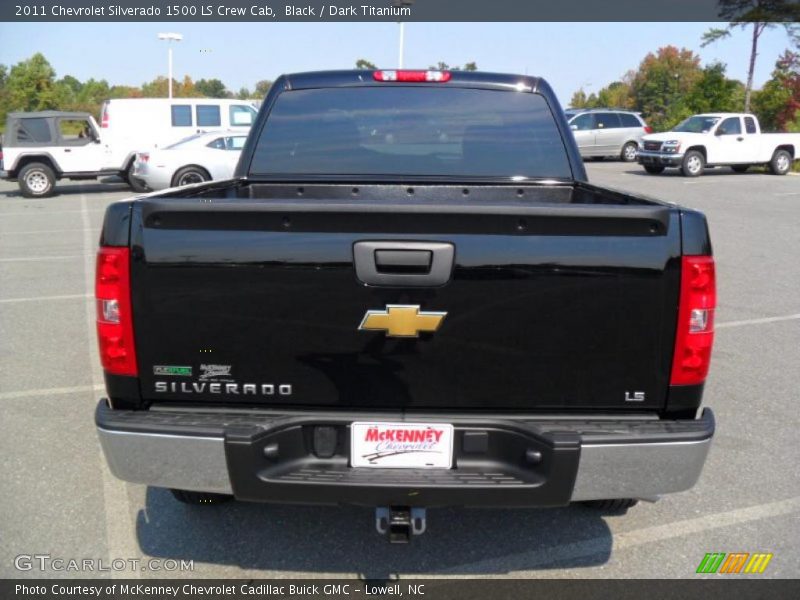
(400, 320)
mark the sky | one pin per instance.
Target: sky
(568, 55)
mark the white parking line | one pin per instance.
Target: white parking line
(757, 321)
(36, 231)
(120, 530)
(50, 391)
(45, 298)
(40, 258)
(535, 559)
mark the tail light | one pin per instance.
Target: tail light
(412, 76)
(143, 157)
(648, 129)
(104, 118)
(114, 315)
(695, 333)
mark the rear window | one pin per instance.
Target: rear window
(407, 131)
(33, 130)
(629, 120)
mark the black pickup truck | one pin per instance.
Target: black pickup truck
(408, 296)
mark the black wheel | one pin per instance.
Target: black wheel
(740, 168)
(694, 163)
(137, 185)
(615, 505)
(188, 497)
(654, 169)
(190, 175)
(781, 162)
(629, 151)
(36, 180)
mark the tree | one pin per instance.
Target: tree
(758, 16)
(443, 66)
(244, 94)
(363, 63)
(262, 87)
(661, 83)
(714, 92)
(211, 88)
(778, 103)
(31, 85)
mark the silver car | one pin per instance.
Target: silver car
(603, 132)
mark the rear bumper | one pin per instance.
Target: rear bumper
(513, 462)
(661, 159)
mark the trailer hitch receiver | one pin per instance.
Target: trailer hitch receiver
(399, 523)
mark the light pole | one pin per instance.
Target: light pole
(401, 4)
(170, 37)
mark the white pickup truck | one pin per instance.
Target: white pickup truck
(719, 139)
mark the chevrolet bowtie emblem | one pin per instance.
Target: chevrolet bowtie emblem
(402, 320)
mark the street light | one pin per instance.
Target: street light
(401, 4)
(170, 37)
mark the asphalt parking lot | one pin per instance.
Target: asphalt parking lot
(58, 497)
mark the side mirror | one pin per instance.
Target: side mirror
(719, 131)
(573, 127)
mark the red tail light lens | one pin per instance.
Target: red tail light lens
(412, 76)
(648, 129)
(114, 315)
(695, 333)
(104, 119)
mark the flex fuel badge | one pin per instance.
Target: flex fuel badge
(172, 370)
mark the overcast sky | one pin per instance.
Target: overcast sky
(568, 55)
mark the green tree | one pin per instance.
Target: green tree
(714, 92)
(262, 87)
(757, 16)
(443, 66)
(211, 88)
(363, 63)
(661, 83)
(244, 94)
(31, 85)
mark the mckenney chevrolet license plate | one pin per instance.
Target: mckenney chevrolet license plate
(401, 445)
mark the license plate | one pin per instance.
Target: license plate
(401, 445)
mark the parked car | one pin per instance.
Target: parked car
(601, 132)
(719, 139)
(43, 147)
(201, 157)
(464, 321)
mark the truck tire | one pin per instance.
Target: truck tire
(629, 151)
(654, 169)
(694, 163)
(137, 185)
(188, 497)
(615, 505)
(36, 180)
(189, 175)
(740, 168)
(781, 162)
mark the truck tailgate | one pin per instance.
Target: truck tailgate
(559, 306)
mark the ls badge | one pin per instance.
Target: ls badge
(401, 320)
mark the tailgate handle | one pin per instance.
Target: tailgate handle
(403, 261)
(403, 264)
